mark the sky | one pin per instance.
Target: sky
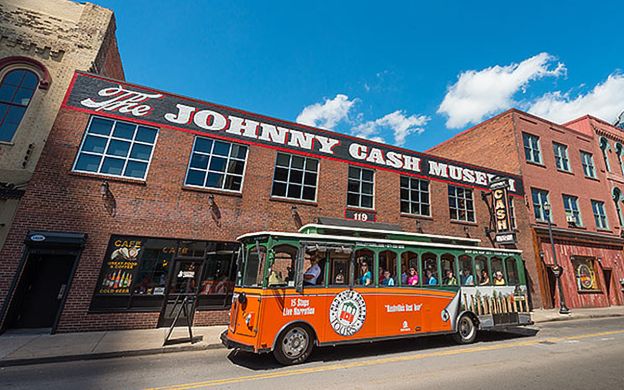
(410, 74)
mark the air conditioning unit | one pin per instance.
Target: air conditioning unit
(570, 218)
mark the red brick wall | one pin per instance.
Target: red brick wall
(60, 200)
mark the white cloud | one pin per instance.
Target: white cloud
(605, 101)
(477, 94)
(327, 114)
(400, 125)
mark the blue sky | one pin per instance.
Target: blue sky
(406, 73)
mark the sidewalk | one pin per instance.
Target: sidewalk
(20, 348)
(23, 347)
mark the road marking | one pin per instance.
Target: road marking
(374, 362)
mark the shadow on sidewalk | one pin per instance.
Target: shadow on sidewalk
(261, 362)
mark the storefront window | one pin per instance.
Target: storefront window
(139, 273)
(585, 273)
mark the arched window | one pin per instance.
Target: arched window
(619, 150)
(604, 145)
(16, 91)
(617, 199)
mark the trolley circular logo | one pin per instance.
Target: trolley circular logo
(347, 313)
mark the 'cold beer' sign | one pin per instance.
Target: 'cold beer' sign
(97, 95)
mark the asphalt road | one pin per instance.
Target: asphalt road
(583, 354)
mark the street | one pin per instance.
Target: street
(577, 354)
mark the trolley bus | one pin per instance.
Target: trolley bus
(328, 285)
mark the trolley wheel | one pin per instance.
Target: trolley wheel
(466, 330)
(294, 345)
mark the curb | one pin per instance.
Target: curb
(107, 355)
(568, 317)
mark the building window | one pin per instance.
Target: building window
(16, 91)
(604, 146)
(295, 177)
(532, 150)
(360, 187)
(570, 205)
(585, 273)
(216, 164)
(589, 169)
(600, 216)
(540, 198)
(461, 204)
(619, 150)
(561, 157)
(415, 196)
(116, 148)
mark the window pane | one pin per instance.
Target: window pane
(309, 192)
(367, 175)
(22, 96)
(279, 189)
(311, 164)
(101, 126)
(199, 161)
(118, 148)
(294, 191)
(30, 80)
(114, 166)
(310, 178)
(353, 200)
(281, 174)
(296, 176)
(203, 145)
(94, 144)
(14, 115)
(353, 186)
(221, 148)
(367, 188)
(283, 160)
(297, 162)
(136, 169)
(235, 166)
(145, 134)
(88, 162)
(7, 92)
(367, 201)
(233, 182)
(214, 180)
(217, 164)
(14, 77)
(238, 151)
(124, 130)
(195, 177)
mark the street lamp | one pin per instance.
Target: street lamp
(563, 309)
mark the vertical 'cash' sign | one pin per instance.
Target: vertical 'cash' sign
(500, 203)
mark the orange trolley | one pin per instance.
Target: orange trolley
(328, 285)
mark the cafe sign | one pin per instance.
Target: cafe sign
(97, 95)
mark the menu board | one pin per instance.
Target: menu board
(119, 266)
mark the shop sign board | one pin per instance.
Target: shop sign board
(121, 262)
(97, 95)
(502, 213)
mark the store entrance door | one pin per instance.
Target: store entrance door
(606, 273)
(41, 290)
(184, 282)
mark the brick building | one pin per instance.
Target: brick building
(576, 169)
(136, 185)
(41, 44)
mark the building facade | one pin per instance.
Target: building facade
(572, 169)
(41, 44)
(136, 186)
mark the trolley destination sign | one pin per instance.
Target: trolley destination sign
(98, 95)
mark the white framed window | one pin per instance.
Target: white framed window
(532, 150)
(571, 207)
(540, 198)
(361, 188)
(415, 196)
(561, 157)
(600, 216)
(216, 164)
(116, 148)
(589, 168)
(295, 177)
(605, 147)
(461, 204)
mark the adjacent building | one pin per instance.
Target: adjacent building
(136, 186)
(576, 170)
(41, 44)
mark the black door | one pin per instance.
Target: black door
(41, 290)
(552, 285)
(607, 280)
(184, 282)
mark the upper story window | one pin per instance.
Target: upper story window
(360, 187)
(216, 164)
(461, 205)
(561, 157)
(532, 150)
(604, 146)
(512, 213)
(295, 177)
(600, 216)
(570, 205)
(619, 150)
(589, 169)
(415, 196)
(540, 198)
(116, 148)
(16, 90)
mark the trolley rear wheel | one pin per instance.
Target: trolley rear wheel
(466, 330)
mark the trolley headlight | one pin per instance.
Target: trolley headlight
(248, 319)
